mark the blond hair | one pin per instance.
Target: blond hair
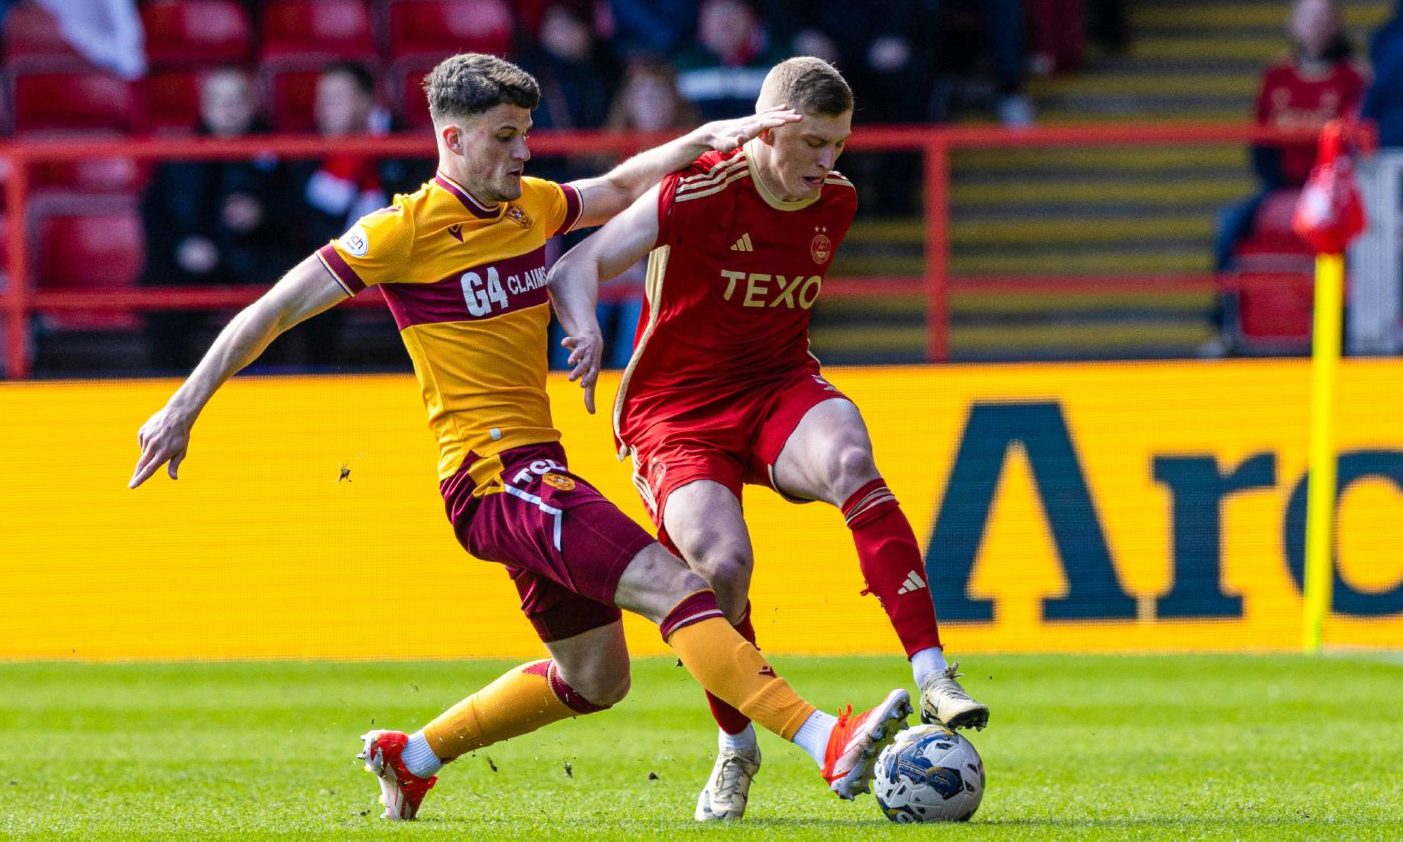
(806, 83)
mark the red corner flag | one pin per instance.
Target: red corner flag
(1329, 213)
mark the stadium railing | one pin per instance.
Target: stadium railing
(21, 300)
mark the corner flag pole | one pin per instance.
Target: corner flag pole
(1328, 215)
(1320, 495)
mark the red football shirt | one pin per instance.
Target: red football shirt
(1289, 100)
(731, 285)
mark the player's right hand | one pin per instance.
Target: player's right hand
(164, 438)
(584, 361)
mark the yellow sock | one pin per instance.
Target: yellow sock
(734, 670)
(517, 703)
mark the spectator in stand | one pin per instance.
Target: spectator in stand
(722, 72)
(1005, 32)
(884, 50)
(1318, 82)
(649, 27)
(340, 188)
(1384, 101)
(576, 73)
(647, 101)
(211, 222)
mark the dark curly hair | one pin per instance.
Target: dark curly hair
(471, 83)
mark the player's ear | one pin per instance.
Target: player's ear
(452, 135)
(767, 137)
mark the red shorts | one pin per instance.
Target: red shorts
(733, 442)
(564, 545)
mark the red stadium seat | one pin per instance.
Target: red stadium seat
(291, 94)
(110, 175)
(173, 101)
(411, 103)
(1274, 282)
(196, 32)
(1274, 312)
(79, 101)
(103, 249)
(32, 40)
(321, 28)
(444, 27)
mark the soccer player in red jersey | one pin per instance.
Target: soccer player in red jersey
(722, 390)
(461, 263)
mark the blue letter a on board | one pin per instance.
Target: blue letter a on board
(1093, 591)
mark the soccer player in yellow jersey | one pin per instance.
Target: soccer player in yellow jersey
(462, 264)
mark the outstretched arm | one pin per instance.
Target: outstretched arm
(603, 197)
(574, 283)
(302, 293)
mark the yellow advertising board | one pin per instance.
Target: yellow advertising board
(1062, 507)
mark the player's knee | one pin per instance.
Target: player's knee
(852, 466)
(725, 568)
(603, 683)
(608, 689)
(689, 582)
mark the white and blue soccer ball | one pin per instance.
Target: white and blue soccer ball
(929, 774)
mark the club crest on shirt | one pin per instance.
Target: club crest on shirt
(821, 248)
(559, 481)
(517, 215)
(355, 241)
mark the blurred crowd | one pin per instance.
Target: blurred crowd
(623, 65)
(628, 66)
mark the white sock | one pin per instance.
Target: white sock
(744, 741)
(927, 664)
(418, 758)
(813, 735)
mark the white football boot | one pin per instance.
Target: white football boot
(945, 702)
(728, 790)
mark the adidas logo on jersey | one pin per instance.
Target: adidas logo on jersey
(913, 582)
(743, 244)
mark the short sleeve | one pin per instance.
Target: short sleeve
(667, 192)
(376, 250)
(558, 204)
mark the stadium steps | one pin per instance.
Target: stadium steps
(1108, 211)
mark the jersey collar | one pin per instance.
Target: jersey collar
(474, 207)
(765, 192)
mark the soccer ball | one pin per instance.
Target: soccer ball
(929, 774)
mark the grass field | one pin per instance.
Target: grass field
(1151, 748)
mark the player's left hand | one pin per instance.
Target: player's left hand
(584, 360)
(725, 135)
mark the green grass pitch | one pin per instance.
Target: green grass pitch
(1230, 747)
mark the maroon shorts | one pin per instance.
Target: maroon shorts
(563, 544)
(732, 442)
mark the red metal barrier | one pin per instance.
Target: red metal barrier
(20, 300)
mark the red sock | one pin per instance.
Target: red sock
(728, 718)
(891, 563)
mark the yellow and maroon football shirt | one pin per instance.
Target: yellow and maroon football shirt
(467, 286)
